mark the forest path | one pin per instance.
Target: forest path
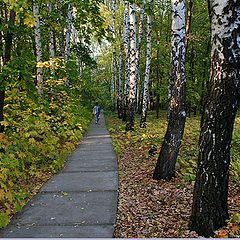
(81, 201)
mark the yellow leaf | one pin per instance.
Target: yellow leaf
(29, 21)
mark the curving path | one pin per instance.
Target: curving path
(79, 202)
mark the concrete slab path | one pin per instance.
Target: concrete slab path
(79, 202)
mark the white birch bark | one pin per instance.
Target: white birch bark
(62, 35)
(120, 83)
(114, 55)
(68, 32)
(51, 43)
(132, 69)
(178, 52)
(138, 53)
(126, 45)
(147, 70)
(38, 41)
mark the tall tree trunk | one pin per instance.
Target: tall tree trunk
(52, 41)
(210, 206)
(52, 53)
(120, 85)
(38, 41)
(205, 70)
(147, 71)
(159, 78)
(61, 37)
(127, 56)
(132, 70)
(68, 32)
(6, 59)
(114, 56)
(138, 53)
(165, 168)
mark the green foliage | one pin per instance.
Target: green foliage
(40, 131)
(38, 137)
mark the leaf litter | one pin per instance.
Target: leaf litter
(156, 209)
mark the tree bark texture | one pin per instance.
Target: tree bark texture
(68, 32)
(52, 42)
(132, 70)
(114, 55)
(38, 42)
(6, 59)
(126, 42)
(147, 71)
(120, 84)
(165, 167)
(210, 207)
(138, 53)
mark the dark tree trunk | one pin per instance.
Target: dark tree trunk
(165, 168)
(2, 97)
(210, 206)
(203, 87)
(7, 56)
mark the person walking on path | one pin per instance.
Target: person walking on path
(96, 112)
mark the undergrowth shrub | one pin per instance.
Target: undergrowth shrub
(38, 137)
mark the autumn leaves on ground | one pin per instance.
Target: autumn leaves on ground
(149, 208)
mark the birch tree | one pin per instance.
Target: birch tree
(114, 54)
(120, 80)
(38, 41)
(147, 71)
(210, 206)
(61, 35)
(6, 58)
(165, 168)
(132, 70)
(68, 32)
(51, 38)
(138, 53)
(126, 42)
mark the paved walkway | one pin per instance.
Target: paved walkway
(79, 202)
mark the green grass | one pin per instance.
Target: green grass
(152, 137)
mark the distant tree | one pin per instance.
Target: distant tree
(147, 70)
(38, 41)
(68, 32)
(138, 54)
(6, 55)
(51, 38)
(131, 98)
(165, 168)
(114, 54)
(126, 43)
(210, 207)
